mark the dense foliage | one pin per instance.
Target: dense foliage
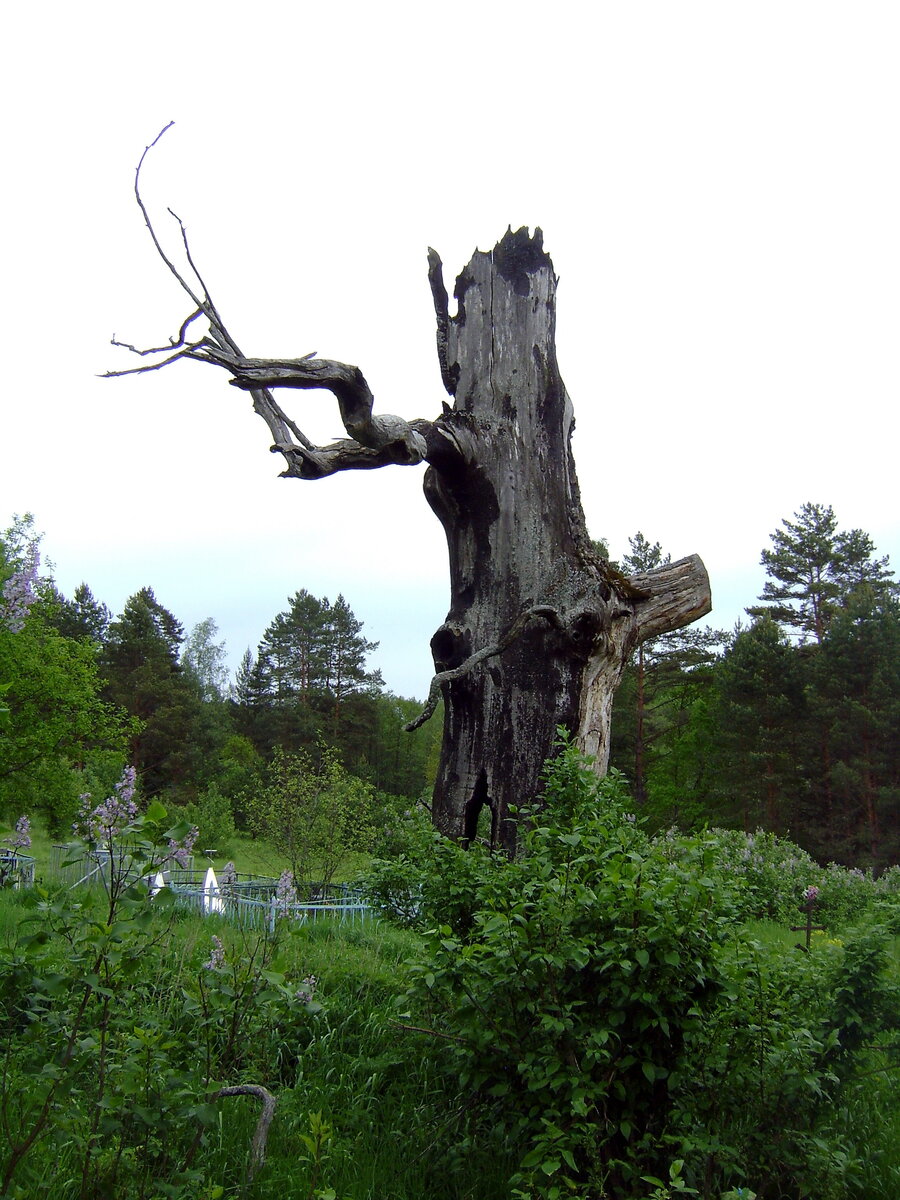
(791, 728)
(607, 1004)
(606, 1018)
(84, 691)
(786, 725)
(661, 995)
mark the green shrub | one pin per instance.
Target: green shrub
(211, 813)
(568, 998)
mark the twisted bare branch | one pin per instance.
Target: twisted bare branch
(375, 440)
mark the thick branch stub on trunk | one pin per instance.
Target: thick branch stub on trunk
(679, 594)
(671, 597)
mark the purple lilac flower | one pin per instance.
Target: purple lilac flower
(811, 894)
(216, 960)
(285, 893)
(306, 990)
(21, 839)
(180, 852)
(19, 592)
(109, 819)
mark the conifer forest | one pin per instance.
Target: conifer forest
(787, 723)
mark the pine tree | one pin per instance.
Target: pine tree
(813, 569)
(642, 557)
(310, 674)
(294, 649)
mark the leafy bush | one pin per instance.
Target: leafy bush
(313, 811)
(758, 875)
(780, 1057)
(762, 876)
(113, 1047)
(212, 815)
(569, 997)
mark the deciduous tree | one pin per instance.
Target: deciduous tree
(56, 718)
(314, 812)
(205, 659)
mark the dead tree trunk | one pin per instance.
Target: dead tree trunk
(502, 482)
(540, 627)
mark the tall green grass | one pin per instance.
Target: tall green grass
(399, 1125)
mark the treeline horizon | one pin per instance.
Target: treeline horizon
(787, 723)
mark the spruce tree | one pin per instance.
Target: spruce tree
(759, 718)
(140, 662)
(855, 699)
(82, 618)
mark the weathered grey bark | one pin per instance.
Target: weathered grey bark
(502, 482)
(539, 627)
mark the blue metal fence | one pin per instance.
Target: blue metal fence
(16, 869)
(256, 912)
(250, 901)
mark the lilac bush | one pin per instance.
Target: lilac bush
(761, 875)
(285, 894)
(180, 851)
(844, 893)
(216, 960)
(21, 837)
(19, 591)
(103, 823)
(307, 990)
(228, 879)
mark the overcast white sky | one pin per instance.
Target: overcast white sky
(719, 187)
